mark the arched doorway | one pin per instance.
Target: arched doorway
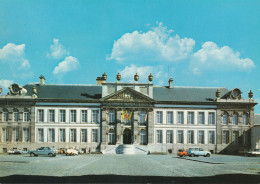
(127, 139)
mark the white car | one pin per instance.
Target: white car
(71, 152)
(254, 152)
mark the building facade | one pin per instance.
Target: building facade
(98, 118)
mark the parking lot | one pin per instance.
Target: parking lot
(129, 169)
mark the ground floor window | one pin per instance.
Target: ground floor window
(40, 135)
(143, 137)
(84, 135)
(225, 137)
(26, 134)
(94, 135)
(180, 136)
(15, 134)
(211, 137)
(111, 137)
(235, 137)
(159, 136)
(5, 135)
(73, 135)
(201, 137)
(169, 136)
(62, 135)
(190, 137)
(51, 135)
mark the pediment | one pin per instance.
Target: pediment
(127, 94)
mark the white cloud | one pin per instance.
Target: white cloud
(14, 56)
(5, 83)
(212, 57)
(57, 50)
(69, 64)
(154, 45)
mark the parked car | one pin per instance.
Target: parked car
(254, 152)
(51, 152)
(10, 152)
(182, 152)
(61, 151)
(71, 151)
(192, 152)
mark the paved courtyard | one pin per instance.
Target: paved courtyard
(129, 169)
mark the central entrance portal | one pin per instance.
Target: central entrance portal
(127, 139)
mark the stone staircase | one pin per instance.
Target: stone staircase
(126, 149)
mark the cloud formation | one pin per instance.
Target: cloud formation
(154, 45)
(58, 51)
(14, 56)
(212, 57)
(70, 63)
(5, 83)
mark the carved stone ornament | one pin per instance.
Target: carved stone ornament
(34, 90)
(217, 93)
(150, 77)
(104, 76)
(126, 96)
(118, 77)
(136, 77)
(250, 94)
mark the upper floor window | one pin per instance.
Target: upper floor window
(16, 115)
(62, 115)
(40, 115)
(235, 119)
(225, 118)
(180, 118)
(26, 115)
(73, 116)
(191, 118)
(6, 115)
(201, 118)
(169, 117)
(111, 117)
(211, 118)
(245, 119)
(95, 116)
(84, 116)
(142, 116)
(159, 117)
(51, 115)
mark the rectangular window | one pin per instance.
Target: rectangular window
(201, 137)
(62, 115)
(83, 135)
(211, 137)
(62, 135)
(159, 136)
(16, 116)
(51, 115)
(246, 138)
(40, 115)
(142, 117)
(73, 135)
(191, 118)
(5, 135)
(26, 134)
(73, 116)
(95, 116)
(26, 116)
(225, 119)
(40, 135)
(169, 117)
(159, 117)
(6, 116)
(84, 116)
(111, 117)
(180, 118)
(94, 135)
(51, 135)
(201, 118)
(225, 137)
(180, 136)
(211, 118)
(244, 119)
(235, 137)
(16, 134)
(190, 137)
(169, 136)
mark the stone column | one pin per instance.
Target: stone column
(118, 128)
(135, 128)
(32, 121)
(103, 128)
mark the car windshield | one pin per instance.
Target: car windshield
(180, 150)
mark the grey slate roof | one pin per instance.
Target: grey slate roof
(257, 119)
(66, 91)
(196, 94)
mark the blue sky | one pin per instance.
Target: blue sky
(198, 43)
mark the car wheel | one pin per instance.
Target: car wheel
(50, 155)
(32, 154)
(183, 155)
(208, 155)
(192, 155)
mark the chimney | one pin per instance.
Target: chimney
(102, 79)
(170, 83)
(42, 80)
